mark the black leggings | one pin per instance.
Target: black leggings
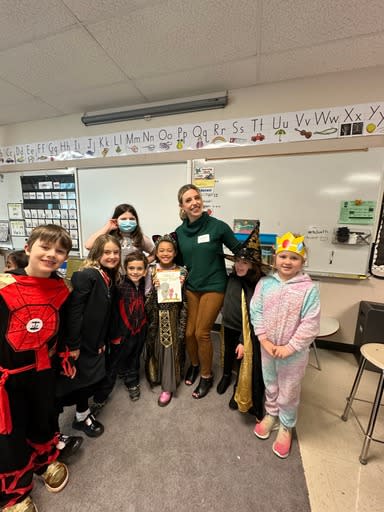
(231, 340)
(124, 358)
(79, 397)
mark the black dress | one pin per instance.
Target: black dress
(87, 327)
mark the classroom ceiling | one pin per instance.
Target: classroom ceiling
(59, 57)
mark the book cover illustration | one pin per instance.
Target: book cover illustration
(169, 289)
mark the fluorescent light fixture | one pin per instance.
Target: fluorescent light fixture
(161, 108)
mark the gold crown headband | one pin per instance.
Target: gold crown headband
(289, 242)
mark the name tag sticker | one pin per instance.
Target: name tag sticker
(203, 239)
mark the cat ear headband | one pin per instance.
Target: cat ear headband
(168, 237)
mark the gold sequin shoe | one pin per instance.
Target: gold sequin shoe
(56, 476)
(26, 505)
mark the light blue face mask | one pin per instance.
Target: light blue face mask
(127, 225)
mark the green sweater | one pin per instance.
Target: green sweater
(201, 248)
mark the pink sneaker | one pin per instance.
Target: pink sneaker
(263, 429)
(164, 398)
(282, 446)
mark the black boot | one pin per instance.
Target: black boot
(223, 384)
(232, 403)
(191, 375)
(203, 387)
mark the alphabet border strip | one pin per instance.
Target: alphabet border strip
(327, 123)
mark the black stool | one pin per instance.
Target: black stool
(374, 353)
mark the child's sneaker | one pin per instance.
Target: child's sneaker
(134, 392)
(55, 476)
(263, 429)
(281, 447)
(26, 505)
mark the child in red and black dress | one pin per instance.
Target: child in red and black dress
(31, 301)
(129, 331)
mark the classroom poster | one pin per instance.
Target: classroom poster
(46, 200)
(357, 212)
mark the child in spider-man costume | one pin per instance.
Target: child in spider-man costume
(30, 304)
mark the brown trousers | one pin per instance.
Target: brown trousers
(203, 308)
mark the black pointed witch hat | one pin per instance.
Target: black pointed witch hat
(250, 249)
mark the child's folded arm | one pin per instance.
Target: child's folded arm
(309, 326)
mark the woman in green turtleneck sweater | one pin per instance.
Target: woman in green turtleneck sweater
(201, 238)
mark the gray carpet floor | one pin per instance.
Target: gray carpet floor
(193, 455)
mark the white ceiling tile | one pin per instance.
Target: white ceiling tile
(232, 75)
(182, 35)
(67, 56)
(27, 111)
(297, 23)
(11, 95)
(98, 10)
(67, 61)
(25, 20)
(96, 98)
(327, 58)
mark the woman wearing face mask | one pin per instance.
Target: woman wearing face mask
(124, 225)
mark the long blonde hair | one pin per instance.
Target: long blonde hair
(97, 251)
(181, 192)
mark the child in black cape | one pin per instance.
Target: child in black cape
(241, 345)
(32, 300)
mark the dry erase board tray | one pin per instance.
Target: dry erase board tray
(351, 237)
(336, 275)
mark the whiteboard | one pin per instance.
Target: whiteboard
(303, 193)
(150, 189)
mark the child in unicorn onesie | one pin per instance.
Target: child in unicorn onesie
(285, 314)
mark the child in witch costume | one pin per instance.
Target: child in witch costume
(167, 318)
(31, 300)
(241, 346)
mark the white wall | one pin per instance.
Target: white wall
(328, 90)
(340, 298)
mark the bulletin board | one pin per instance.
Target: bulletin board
(304, 194)
(151, 189)
(31, 198)
(50, 199)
